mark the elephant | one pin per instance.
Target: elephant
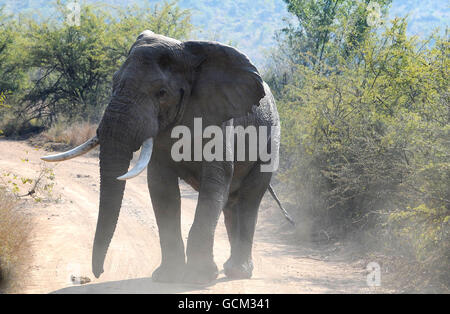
(162, 84)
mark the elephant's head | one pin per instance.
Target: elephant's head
(160, 78)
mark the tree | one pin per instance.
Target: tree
(72, 66)
(365, 143)
(12, 67)
(327, 27)
(323, 32)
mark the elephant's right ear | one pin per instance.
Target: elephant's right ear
(224, 77)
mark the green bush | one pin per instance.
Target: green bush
(365, 143)
(66, 71)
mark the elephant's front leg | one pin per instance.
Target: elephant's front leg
(165, 195)
(213, 195)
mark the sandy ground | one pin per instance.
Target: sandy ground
(64, 230)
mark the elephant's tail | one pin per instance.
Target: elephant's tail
(285, 213)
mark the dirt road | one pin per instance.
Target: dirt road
(64, 231)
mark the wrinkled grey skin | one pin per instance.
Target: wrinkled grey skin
(164, 83)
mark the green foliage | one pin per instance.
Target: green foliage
(425, 231)
(2, 99)
(325, 32)
(328, 27)
(365, 142)
(69, 68)
(249, 25)
(12, 69)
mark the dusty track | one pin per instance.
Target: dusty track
(64, 231)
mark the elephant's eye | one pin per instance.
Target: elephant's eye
(161, 93)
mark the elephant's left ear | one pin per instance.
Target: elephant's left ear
(224, 77)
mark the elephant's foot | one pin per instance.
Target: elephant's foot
(169, 272)
(200, 273)
(238, 270)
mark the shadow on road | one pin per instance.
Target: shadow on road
(136, 286)
(130, 286)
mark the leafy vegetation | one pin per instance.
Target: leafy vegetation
(249, 25)
(65, 71)
(366, 129)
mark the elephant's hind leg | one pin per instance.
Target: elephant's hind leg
(213, 195)
(240, 216)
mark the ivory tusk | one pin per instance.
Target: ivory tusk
(144, 159)
(75, 152)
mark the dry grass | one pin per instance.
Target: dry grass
(73, 135)
(15, 229)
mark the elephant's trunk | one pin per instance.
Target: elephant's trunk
(121, 132)
(114, 161)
